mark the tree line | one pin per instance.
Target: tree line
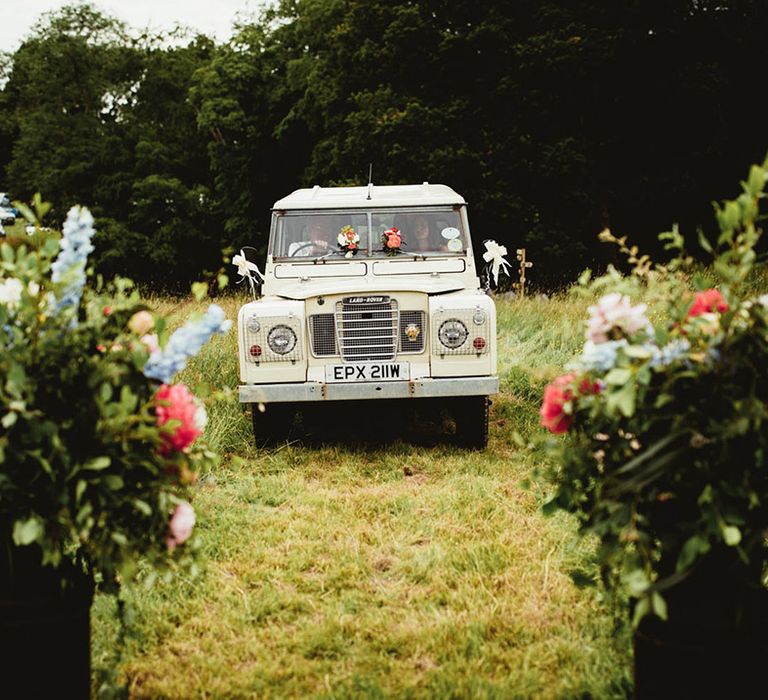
(554, 119)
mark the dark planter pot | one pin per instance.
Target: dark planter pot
(45, 629)
(715, 641)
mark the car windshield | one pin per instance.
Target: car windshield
(421, 232)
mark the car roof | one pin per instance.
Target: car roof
(370, 196)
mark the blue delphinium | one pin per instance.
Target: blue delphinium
(69, 266)
(185, 343)
(599, 357)
(672, 351)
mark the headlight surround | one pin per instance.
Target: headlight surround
(453, 333)
(281, 340)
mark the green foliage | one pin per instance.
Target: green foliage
(665, 457)
(88, 473)
(545, 117)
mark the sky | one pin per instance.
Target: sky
(211, 17)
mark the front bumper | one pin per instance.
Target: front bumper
(414, 389)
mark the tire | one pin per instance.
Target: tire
(470, 414)
(274, 425)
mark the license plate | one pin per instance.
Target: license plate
(377, 372)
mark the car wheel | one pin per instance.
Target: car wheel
(470, 414)
(274, 425)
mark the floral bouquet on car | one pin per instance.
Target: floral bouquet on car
(392, 241)
(349, 241)
(664, 416)
(98, 445)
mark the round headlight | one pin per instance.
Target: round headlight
(452, 333)
(281, 340)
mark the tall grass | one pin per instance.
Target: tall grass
(379, 570)
(369, 570)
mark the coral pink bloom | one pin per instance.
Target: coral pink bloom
(180, 526)
(393, 240)
(707, 302)
(141, 322)
(556, 395)
(176, 402)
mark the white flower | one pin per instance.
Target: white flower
(201, 416)
(342, 239)
(180, 526)
(614, 312)
(10, 292)
(33, 288)
(763, 300)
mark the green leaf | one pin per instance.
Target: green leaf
(222, 280)
(113, 482)
(199, 290)
(637, 352)
(731, 535)
(550, 507)
(704, 243)
(623, 400)
(693, 547)
(142, 506)
(9, 419)
(97, 464)
(618, 376)
(636, 582)
(756, 181)
(659, 605)
(27, 531)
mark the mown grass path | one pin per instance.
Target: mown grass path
(366, 571)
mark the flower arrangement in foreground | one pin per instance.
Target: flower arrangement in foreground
(391, 241)
(98, 446)
(664, 447)
(349, 241)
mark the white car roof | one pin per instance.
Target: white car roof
(380, 196)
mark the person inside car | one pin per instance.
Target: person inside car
(321, 239)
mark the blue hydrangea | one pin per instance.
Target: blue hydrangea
(600, 357)
(672, 351)
(69, 266)
(185, 343)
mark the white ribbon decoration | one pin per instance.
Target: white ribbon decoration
(495, 256)
(246, 270)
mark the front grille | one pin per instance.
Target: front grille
(367, 331)
(411, 331)
(322, 335)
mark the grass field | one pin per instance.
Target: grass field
(379, 570)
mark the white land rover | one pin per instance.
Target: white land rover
(369, 293)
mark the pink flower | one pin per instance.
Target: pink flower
(141, 323)
(180, 526)
(707, 302)
(151, 342)
(555, 410)
(614, 317)
(175, 402)
(553, 407)
(393, 239)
